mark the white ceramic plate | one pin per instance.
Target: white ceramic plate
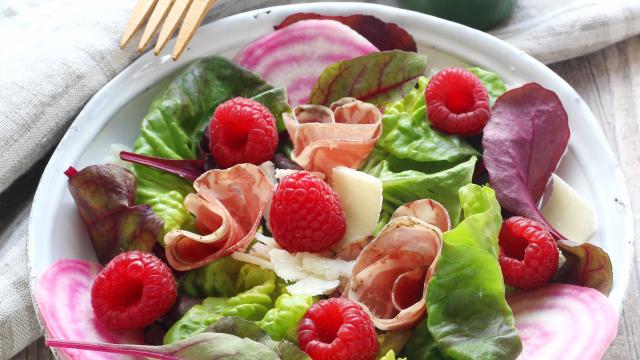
(113, 116)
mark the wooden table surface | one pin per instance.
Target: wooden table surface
(609, 82)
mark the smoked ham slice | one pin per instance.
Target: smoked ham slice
(324, 138)
(427, 210)
(228, 206)
(391, 274)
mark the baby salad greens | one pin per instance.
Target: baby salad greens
(230, 338)
(246, 291)
(378, 78)
(468, 316)
(173, 127)
(105, 196)
(520, 157)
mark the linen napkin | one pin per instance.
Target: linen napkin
(58, 53)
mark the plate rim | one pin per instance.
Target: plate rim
(386, 12)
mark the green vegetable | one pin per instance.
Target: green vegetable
(378, 78)
(390, 355)
(422, 345)
(468, 315)
(399, 188)
(492, 81)
(215, 279)
(481, 15)
(281, 322)
(104, 196)
(176, 119)
(256, 287)
(392, 342)
(229, 338)
(277, 102)
(249, 329)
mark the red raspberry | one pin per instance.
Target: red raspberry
(306, 214)
(242, 131)
(337, 328)
(133, 291)
(528, 253)
(457, 102)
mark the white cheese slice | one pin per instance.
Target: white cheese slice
(361, 196)
(313, 286)
(328, 269)
(287, 266)
(567, 211)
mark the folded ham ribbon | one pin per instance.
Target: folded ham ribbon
(324, 138)
(390, 276)
(228, 204)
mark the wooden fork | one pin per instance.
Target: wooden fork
(190, 12)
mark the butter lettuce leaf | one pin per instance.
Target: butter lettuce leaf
(176, 120)
(407, 134)
(281, 322)
(256, 288)
(402, 187)
(422, 345)
(492, 81)
(468, 315)
(218, 278)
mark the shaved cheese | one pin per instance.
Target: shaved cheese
(567, 211)
(329, 269)
(361, 196)
(286, 265)
(313, 286)
(252, 259)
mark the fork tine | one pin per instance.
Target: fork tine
(195, 15)
(159, 13)
(140, 13)
(170, 25)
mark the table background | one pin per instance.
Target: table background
(608, 81)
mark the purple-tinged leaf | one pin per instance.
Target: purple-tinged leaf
(586, 265)
(187, 169)
(378, 78)
(523, 142)
(385, 36)
(105, 198)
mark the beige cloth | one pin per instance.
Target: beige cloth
(58, 53)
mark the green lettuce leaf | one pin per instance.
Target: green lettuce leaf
(390, 355)
(399, 188)
(422, 345)
(392, 342)
(256, 286)
(176, 119)
(251, 330)
(218, 278)
(492, 81)
(468, 315)
(408, 137)
(281, 322)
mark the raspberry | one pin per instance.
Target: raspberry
(132, 291)
(306, 214)
(457, 102)
(242, 131)
(337, 328)
(528, 253)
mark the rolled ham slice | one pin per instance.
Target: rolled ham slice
(427, 210)
(228, 206)
(391, 274)
(324, 138)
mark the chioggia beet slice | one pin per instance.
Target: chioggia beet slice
(63, 295)
(559, 321)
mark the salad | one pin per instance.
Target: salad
(327, 195)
